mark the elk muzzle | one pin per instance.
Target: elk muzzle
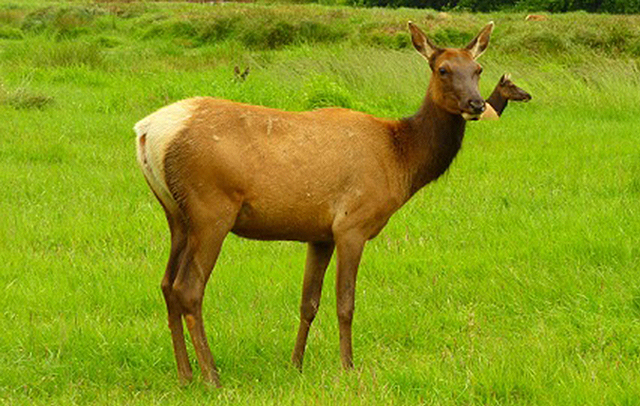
(473, 108)
(525, 96)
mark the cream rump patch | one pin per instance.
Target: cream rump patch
(154, 133)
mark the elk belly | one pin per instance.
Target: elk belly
(298, 222)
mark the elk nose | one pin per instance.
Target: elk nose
(477, 105)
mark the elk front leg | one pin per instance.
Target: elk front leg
(318, 257)
(349, 249)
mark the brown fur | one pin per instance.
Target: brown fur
(331, 177)
(536, 17)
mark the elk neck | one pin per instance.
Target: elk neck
(427, 142)
(497, 101)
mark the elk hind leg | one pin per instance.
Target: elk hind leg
(174, 308)
(204, 241)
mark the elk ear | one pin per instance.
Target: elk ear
(505, 78)
(480, 43)
(421, 42)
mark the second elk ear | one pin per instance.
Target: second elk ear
(479, 44)
(421, 43)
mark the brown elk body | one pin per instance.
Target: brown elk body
(504, 91)
(536, 17)
(331, 178)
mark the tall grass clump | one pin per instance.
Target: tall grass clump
(171, 28)
(11, 14)
(23, 98)
(260, 31)
(323, 92)
(7, 32)
(65, 22)
(612, 36)
(219, 29)
(52, 53)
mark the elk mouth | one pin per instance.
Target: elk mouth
(471, 116)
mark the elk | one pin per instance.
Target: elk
(504, 91)
(536, 17)
(330, 177)
(240, 76)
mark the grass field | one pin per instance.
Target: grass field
(514, 279)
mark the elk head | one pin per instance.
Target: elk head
(454, 72)
(510, 91)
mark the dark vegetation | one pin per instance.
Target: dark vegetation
(593, 6)
(257, 27)
(555, 6)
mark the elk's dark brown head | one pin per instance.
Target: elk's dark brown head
(455, 72)
(509, 90)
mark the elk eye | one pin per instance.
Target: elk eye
(442, 71)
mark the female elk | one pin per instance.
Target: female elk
(331, 177)
(504, 91)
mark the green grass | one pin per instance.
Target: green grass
(511, 280)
